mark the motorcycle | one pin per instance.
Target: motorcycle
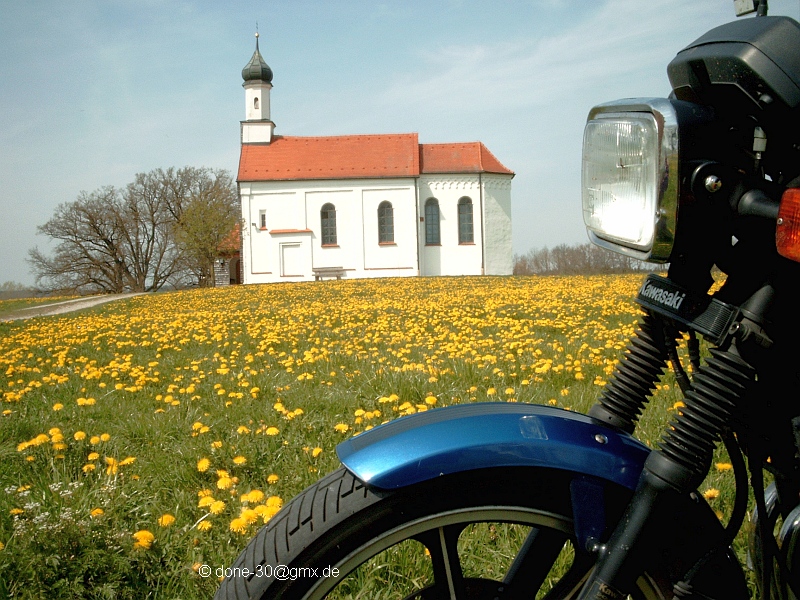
(686, 180)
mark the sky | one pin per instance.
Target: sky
(94, 92)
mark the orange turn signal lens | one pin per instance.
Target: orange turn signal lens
(787, 230)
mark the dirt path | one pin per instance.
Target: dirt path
(58, 308)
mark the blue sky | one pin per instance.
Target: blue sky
(94, 92)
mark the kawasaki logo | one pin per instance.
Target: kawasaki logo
(662, 296)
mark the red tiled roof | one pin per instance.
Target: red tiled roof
(471, 157)
(361, 156)
(338, 157)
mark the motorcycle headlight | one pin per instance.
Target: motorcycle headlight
(630, 177)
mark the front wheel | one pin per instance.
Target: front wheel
(501, 533)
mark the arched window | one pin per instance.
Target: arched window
(385, 223)
(432, 236)
(327, 216)
(466, 233)
(255, 103)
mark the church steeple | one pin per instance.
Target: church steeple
(257, 126)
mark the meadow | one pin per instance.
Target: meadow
(145, 438)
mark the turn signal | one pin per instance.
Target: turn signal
(787, 230)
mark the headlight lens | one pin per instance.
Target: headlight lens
(629, 177)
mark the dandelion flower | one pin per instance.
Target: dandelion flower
(724, 466)
(144, 539)
(272, 431)
(205, 501)
(216, 507)
(97, 512)
(93, 456)
(79, 435)
(204, 525)
(711, 494)
(223, 483)
(239, 460)
(272, 478)
(58, 406)
(166, 520)
(203, 464)
(341, 427)
(238, 525)
(316, 452)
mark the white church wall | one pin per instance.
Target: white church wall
(450, 257)
(498, 259)
(399, 257)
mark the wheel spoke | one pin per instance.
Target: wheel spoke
(533, 561)
(571, 582)
(448, 577)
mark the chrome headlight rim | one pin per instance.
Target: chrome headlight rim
(665, 118)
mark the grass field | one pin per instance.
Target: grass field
(148, 437)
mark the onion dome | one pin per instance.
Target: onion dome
(257, 69)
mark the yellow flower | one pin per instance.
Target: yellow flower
(112, 467)
(96, 512)
(166, 520)
(88, 468)
(216, 507)
(79, 435)
(94, 440)
(724, 466)
(711, 494)
(249, 515)
(252, 496)
(430, 400)
(223, 483)
(16, 511)
(491, 391)
(93, 456)
(272, 431)
(316, 452)
(58, 406)
(105, 437)
(272, 478)
(144, 539)
(239, 460)
(341, 427)
(242, 430)
(238, 525)
(205, 501)
(203, 464)
(204, 525)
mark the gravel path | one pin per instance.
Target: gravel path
(58, 308)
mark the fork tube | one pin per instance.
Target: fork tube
(677, 467)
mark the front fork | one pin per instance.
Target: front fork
(685, 451)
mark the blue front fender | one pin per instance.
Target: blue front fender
(485, 435)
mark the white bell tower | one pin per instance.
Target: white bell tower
(257, 127)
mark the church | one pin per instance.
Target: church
(358, 206)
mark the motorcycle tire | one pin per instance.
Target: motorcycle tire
(316, 543)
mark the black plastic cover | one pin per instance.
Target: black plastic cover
(750, 64)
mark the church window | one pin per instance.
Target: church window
(385, 223)
(466, 233)
(255, 103)
(432, 233)
(328, 224)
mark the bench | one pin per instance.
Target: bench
(323, 272)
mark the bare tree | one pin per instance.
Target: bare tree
(583, 259)
(204, 205)
(164, 227)
(89, 256)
